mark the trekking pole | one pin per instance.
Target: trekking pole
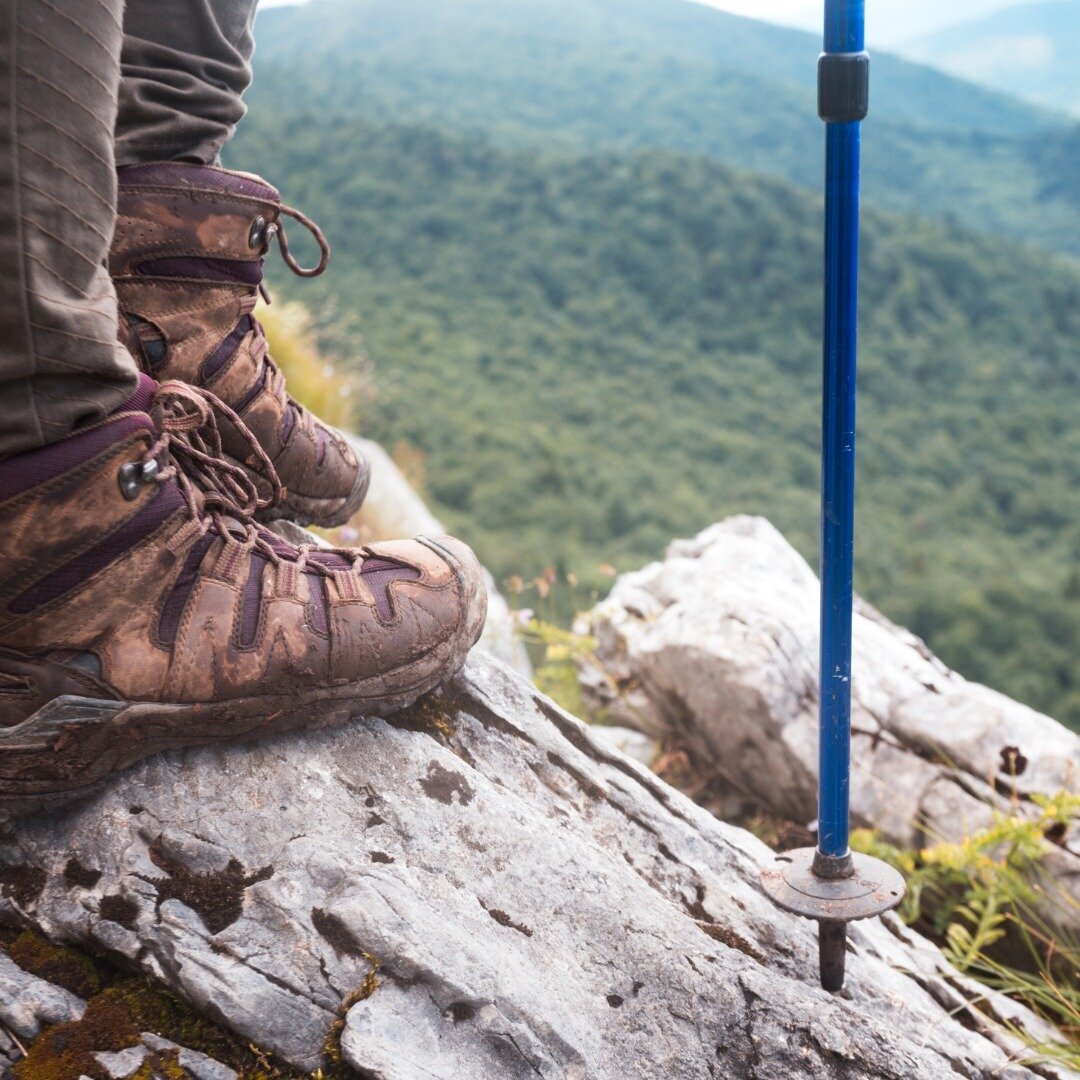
(831, 884)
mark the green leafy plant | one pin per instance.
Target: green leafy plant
(561, 651)
(988, 899)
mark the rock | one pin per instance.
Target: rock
(717, 645)
(28, 1004)
(393, 509)
(487, 891)
(120, 1064)
(634, 744)
(198, 1066)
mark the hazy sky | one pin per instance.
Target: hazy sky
(888, 21)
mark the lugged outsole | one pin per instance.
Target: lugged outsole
(68, 750)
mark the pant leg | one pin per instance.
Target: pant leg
(60, 362)
(185, 67)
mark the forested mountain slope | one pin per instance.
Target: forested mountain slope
(668, 74)
(599, 352)
(468, 37)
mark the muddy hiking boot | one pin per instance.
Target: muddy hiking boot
(187, 260)
(142, 607)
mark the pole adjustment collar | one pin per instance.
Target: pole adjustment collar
(843, 87)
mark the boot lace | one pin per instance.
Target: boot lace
(277, 229)
(273, 380)
(220, 495)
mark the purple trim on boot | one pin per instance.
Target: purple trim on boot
(226, 271)
(331, 560)
(226, 350)
(379, 575)
(282, 548)
(176, 601)
(318, 603)
(176, 174)
(144, 523)
(26, 471)
(256, 389)
(143, 397)
(288, 422)
(251, 600)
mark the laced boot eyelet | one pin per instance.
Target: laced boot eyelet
(134, 474)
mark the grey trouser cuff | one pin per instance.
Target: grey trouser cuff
(67, 115)
(185, 65)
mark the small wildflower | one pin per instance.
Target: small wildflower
(522, 618)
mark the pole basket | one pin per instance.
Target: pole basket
(833, 894)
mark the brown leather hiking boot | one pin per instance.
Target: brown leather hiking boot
(187, 259)
(141, 607)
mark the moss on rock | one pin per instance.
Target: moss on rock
(119, 1008)
(57, 964)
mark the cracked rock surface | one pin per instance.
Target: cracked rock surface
(27, 1006)
(718, 645)
(493, 894)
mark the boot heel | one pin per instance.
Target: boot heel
(59, 754)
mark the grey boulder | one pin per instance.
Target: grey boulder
(717, 647)
(481, 889)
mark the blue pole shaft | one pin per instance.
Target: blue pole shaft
(844, 33)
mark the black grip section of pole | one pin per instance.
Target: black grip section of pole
(843, 87)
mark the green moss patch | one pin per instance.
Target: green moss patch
(216, 896)
(57, 964)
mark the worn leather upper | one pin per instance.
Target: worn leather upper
(173, 596)
(187, 261)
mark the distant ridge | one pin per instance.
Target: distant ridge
(671, 75)
(677, 30)
(1030, 50)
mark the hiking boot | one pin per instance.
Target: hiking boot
(187, 259)
(142, 608)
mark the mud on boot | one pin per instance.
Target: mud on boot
(143, 608)
(187, 261)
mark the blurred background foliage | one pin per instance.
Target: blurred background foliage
(591, 334)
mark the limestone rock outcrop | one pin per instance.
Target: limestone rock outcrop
(717, 647)
(481, 888)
